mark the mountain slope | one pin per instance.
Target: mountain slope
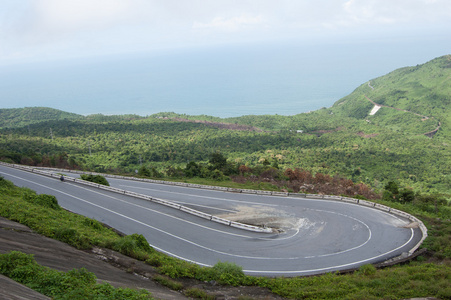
(347, 139)
(412, 99)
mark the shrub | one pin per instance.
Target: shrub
(93, 224)
(72, 237)
(367, 270)
(217, 175)
(14, 260)
(44, 200)
(198, 293)
(47, 201)
(172, 269)
(444, 293)
(5, 184)
(132, 245)
(75, 284)
(152, 172)
(228, 273)
(95, 178)
(154, 261)
(172, 284)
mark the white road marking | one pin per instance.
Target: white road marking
(220, 252)
(192, 223)
(198, 196)
(141, 207)
(296, 232)
(338, 266)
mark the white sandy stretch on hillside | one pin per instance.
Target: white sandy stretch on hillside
(374, 110)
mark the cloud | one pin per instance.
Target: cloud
(230, 24)
(56, 27)
(58, 19)
(69, 15)
(395, 12)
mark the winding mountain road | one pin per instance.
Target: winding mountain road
(314, 236)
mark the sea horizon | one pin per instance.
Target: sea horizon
(222, 82)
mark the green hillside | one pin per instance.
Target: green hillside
(18, 117)
(344, 140)
(420, 96)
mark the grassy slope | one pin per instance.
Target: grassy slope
(424, 89)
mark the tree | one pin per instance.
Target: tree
(392, 187)
(406, 196)
(217, 175)
(175, 172)
(217, 161)
(266, 162)
(391, 192)
(192, 169)
(143, 171)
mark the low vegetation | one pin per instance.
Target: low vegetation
(75, 284)
(198, 294)
(95, 178)
(353, 149)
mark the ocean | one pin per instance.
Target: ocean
(228, 81)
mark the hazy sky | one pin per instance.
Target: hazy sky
(34, 30)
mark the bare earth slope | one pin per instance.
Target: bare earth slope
(109, 266)
(62, 257)
(12, 290)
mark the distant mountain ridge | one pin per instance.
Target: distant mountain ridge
(19, 117)
(420, 98)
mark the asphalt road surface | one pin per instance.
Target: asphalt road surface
(312, 236)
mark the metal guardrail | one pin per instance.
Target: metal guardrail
(235, 190)
(141, 196)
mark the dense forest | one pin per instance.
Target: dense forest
(406, 141)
